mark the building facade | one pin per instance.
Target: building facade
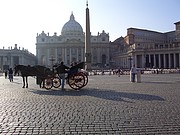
(147, 49)
(15, 56)
(144, 48)
(69, 47)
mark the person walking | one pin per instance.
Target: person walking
(6, 73)
(133, 73)
(10, 75)
(119, 72)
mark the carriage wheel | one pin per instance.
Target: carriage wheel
(85, 77)
(48, 83)
(76, 81)
(56, 82)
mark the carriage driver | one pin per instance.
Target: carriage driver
(61, 71)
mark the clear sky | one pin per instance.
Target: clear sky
(21, 20)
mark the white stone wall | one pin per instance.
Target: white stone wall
(71, 47)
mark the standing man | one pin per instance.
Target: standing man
(6, 73)
(61, 71)
(10, 75)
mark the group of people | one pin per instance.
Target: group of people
(9, 74)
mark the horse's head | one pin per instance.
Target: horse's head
(18, 68)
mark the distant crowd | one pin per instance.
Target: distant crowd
(127, 71)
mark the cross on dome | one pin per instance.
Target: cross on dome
(72, 16)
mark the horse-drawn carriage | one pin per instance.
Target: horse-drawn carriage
(76, 78)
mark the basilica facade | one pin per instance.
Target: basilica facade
(69, 47)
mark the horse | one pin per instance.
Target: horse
(37, 70)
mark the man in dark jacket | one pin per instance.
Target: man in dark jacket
(10, 75)
(62, 69)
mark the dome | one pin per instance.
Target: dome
(72, 28)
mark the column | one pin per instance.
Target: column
(164, 57)
(22, 60)
(154, 60)
(19, 59)
(65, 55)
(150, 60)
(70, 57)
(179, 60)
(3, 61)
(143, 60)
(169, 60)
(159, 57)
(56, 56)
(124, 63)
(100, 55)
(48, 57)
(11, 61)
(175, 64)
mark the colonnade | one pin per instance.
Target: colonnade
(10, 60)
(162, 60)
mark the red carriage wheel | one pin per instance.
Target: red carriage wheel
(48, 83)
(56, 82)
(85, 77)
(76, 81)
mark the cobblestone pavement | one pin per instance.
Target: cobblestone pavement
(108, 105)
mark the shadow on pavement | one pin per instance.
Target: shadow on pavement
(100, 93)
(159, 82)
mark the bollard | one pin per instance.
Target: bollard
(138, 76)
(132, 78)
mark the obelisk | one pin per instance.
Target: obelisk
(87, 42)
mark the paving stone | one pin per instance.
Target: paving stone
(107, 105)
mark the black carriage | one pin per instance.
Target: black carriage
(76, 78)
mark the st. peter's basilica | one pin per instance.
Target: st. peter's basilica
(69, 47)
